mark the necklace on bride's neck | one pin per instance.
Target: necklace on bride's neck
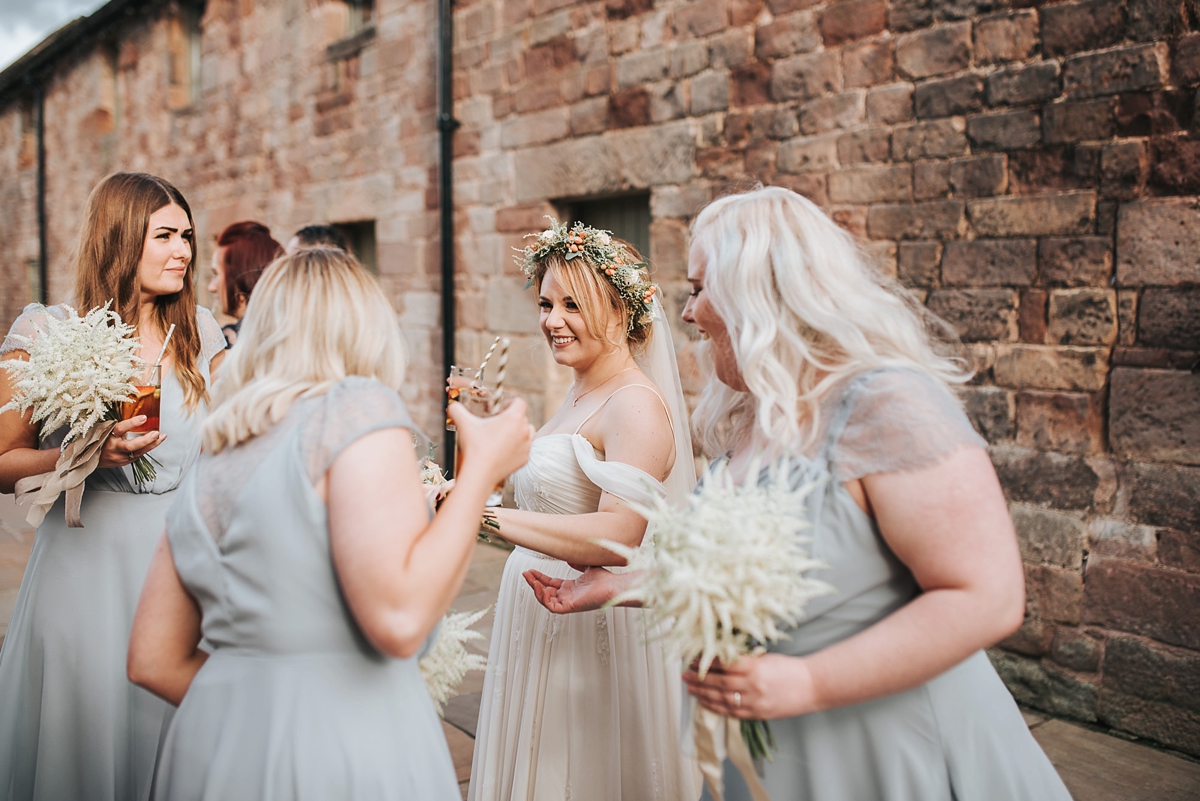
(577, 398)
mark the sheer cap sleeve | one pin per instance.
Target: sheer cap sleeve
(27, 326)
(895, 419)
(353, 408)
(212, 341)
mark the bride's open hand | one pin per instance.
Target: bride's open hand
(590, 591)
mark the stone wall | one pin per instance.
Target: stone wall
(1030, 170)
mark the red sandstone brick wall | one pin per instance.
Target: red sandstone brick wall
(1032, 170)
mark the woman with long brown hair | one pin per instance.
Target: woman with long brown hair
(71, 724)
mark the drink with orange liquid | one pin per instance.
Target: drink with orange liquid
(484, 402)
(146, 400)
(461, 379)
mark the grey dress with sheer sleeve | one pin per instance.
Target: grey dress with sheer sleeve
(72, 726)
(958, 736)
(293, 703)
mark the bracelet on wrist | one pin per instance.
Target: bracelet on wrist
(489, 525)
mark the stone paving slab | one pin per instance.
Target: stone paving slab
(1095, 765)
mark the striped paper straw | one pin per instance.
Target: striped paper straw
(503, 364)
(488, 357)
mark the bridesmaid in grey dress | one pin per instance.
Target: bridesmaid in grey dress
(883, 692)
(303, 553)
(71, 724)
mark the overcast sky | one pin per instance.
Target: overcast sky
(24, 23)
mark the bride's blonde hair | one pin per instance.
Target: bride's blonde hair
(316, 317)
(804, 311)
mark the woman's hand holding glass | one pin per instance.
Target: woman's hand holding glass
(118, 451)
(492, 448)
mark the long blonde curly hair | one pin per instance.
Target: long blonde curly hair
(805, 311)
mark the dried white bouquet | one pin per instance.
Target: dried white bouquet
(79, 369)
(448, 661)
(432, 474)
(725, 575)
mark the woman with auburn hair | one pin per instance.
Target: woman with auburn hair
(71, 724)
(586, 708)
(883, 691)
(244, 250)
(302, 550)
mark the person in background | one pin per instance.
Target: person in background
(317, 236)
(244, 250)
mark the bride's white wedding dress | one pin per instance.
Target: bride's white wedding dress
(580, 707)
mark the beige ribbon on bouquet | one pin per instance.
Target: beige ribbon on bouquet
(76, 462)
(718, 737)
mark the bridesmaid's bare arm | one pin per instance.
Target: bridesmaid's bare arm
(164, 653)
(19, 454)
(398, 569)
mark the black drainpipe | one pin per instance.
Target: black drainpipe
(39, 102)
(446, 125)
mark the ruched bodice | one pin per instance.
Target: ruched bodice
(566, 476)
(552, 480)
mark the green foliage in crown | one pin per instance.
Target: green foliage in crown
(632, 281)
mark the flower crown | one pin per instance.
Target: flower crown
(632, 281)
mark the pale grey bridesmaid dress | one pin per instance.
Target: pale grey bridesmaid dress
(958, 736)
(293, 702)
(71, 725)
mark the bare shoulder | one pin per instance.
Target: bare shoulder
(634, 426)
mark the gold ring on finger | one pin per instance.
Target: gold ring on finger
(737, 700)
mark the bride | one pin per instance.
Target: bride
(582, 707)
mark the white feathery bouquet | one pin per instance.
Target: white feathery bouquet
(79, 370)
(432, 474)
(448, 661)
(723, 577)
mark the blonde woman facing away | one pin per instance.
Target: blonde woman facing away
(72, 727)
(884, 691)
(303, 552)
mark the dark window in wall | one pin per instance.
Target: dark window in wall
(628, 217)
(360, 236)
(360, 15)
(183, 55)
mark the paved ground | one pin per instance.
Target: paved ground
(1096, 766)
